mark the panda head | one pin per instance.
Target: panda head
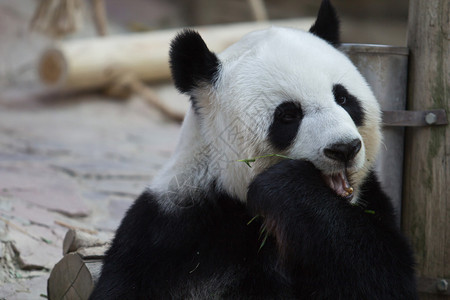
(276, 91)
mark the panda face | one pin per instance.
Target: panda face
(305, 99)
(276, 91)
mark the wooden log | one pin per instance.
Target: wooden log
(125, 84)
(76, 239)
(74, 277)
(90, 63)
(76, 274)
(426, 189)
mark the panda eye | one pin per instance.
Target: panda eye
(288, 112)
(349, 103)
(341, 100)
(341, 95)
(288, 116)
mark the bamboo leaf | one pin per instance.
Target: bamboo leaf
(264, 241)
(247, 161)
(253, 219)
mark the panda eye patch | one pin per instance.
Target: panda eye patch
(285, 124)
(348, 102)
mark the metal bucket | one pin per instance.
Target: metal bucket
(386, 68)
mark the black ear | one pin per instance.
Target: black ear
(191, 61)
(327, 24)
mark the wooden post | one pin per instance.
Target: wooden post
(426, 201)
(100, 19)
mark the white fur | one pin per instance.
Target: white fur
(262, 70)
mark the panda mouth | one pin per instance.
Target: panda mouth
(339, 183)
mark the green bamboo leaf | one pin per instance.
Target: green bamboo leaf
(263, 229)
(247, 161)
(264, 241)
(253, 219)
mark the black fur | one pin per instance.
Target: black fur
(166, 255)
(329, 248)
(191, 61)
(285, 124)
(350, 103)
(319, 247)
(327, 24)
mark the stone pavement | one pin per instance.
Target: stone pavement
(77, 161)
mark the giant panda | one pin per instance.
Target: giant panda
(306, 220)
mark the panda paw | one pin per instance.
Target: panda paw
(288, 185)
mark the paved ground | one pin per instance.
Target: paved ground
(79, 160)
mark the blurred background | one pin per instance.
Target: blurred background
(76, 159)
(363, 21)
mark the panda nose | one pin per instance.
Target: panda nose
(343, 152)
